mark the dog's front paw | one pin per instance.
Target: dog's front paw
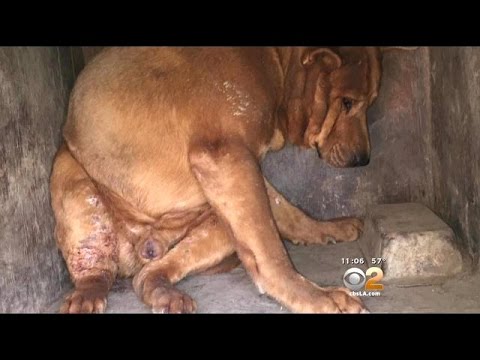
(346, 229)
(329, 301)
(345, 302)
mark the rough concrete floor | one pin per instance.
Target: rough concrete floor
(235, 293)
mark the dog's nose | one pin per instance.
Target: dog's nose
(361, 159)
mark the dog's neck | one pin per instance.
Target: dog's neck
(295, 122)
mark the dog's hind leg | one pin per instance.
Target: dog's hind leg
(84, 233)
(299, 228)
(204, 247)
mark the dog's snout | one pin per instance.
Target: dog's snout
(361, 159)
(341, 157)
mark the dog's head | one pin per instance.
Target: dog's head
(328, 111)
(340, 85)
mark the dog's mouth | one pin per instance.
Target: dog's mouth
(339, 157)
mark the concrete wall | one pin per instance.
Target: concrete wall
(455, 97)
(34, 87)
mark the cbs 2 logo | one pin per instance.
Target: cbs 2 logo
(355, 279)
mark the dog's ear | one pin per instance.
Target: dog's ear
(385, 49)
(326, 58)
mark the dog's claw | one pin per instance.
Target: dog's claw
(331, 240)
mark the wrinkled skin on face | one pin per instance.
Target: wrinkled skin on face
(340, 85)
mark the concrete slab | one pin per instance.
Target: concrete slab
(415, 246)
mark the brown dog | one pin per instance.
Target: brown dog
(159, 174)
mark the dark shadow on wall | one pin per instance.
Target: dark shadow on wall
(35, 84)
(455, 84)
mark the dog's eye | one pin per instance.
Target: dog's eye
(347, 104)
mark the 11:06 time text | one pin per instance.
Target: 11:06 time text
(361, 261)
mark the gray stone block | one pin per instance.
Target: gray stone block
(416, 246)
